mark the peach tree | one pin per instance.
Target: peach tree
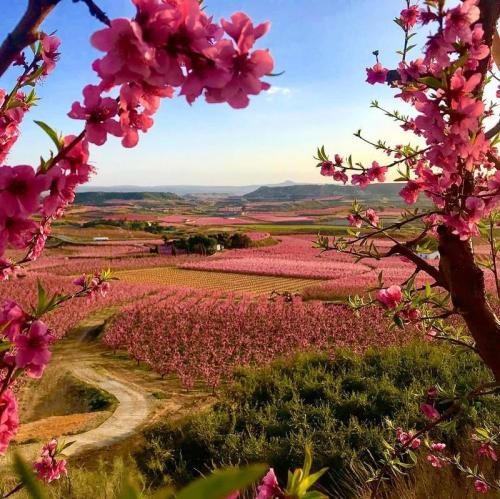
(453, 163)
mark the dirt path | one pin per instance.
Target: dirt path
(133, 410)
(143, 396)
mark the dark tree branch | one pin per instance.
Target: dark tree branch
(96, 11)
(26, 31)
(420, 263)
(493, 131)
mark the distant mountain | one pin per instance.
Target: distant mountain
(298, 192)
(183, 190)
(99, 198)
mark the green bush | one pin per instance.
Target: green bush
(338, 406)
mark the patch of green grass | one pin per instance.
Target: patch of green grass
(337, 405)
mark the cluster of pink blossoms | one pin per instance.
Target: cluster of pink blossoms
(13, 106)
(445, 89)
(169, 44)
(31, 198)
(29, 341)
(48, 468)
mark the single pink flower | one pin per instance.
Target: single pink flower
(411, 192)
(377, 172)
(33, 349)
(243, 32)
(269, 486)
(49, 469)
(361, 180)
(438, 447)
(128, 57)
(390, 297)
(354, 220)
(435, 461)
(50, 55)
(409, 17)
(376, 74)
(372, 217)
(486, 450)
(481, 487)
(20, 189)
(12, 319)
(327, 169)
(429, 411)
(98, 112)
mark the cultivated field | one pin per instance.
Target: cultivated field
(214, 280)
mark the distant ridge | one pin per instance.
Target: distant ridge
(98, 198)
(298, 192)
(183, 190)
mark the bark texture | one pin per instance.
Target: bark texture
(26, 31)
(465, 282)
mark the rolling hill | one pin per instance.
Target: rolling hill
(100, 198)
(375, 192)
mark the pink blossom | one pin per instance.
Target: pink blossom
(9, 419)
(411, 192)
(327, 169)
(98, 113)
(128, 57)
(361, 180)
(376, 74)
(435, 461)
(429, 411)
(32, 349)
(486, 450)
(408, 17)
(12, 319)
(131, 118)
(372, 217)
(246, 70)
(50, 55)
(475, 208)
(354, 220)
(411, 314)
(438, 447)
(20, 189)
(377, 172)
(481, 487)
(390, 297)
(406, 438)
(16, 231)
(269, 486)
(47, 467)
(243, 32)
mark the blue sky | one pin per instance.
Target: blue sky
(322, 45)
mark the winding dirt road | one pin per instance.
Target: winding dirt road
(133, 410)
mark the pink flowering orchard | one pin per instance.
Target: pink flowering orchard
(168, 48)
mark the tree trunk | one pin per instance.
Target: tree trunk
(465, 282)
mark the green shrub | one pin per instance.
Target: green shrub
(337, 405)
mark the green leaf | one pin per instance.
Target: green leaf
(314, 495)
(128, 491)
(28, 478)
(222, 483)
(431, 82)
(51, 133)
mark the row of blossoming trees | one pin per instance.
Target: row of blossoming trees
(455, 164)
(168, 45)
